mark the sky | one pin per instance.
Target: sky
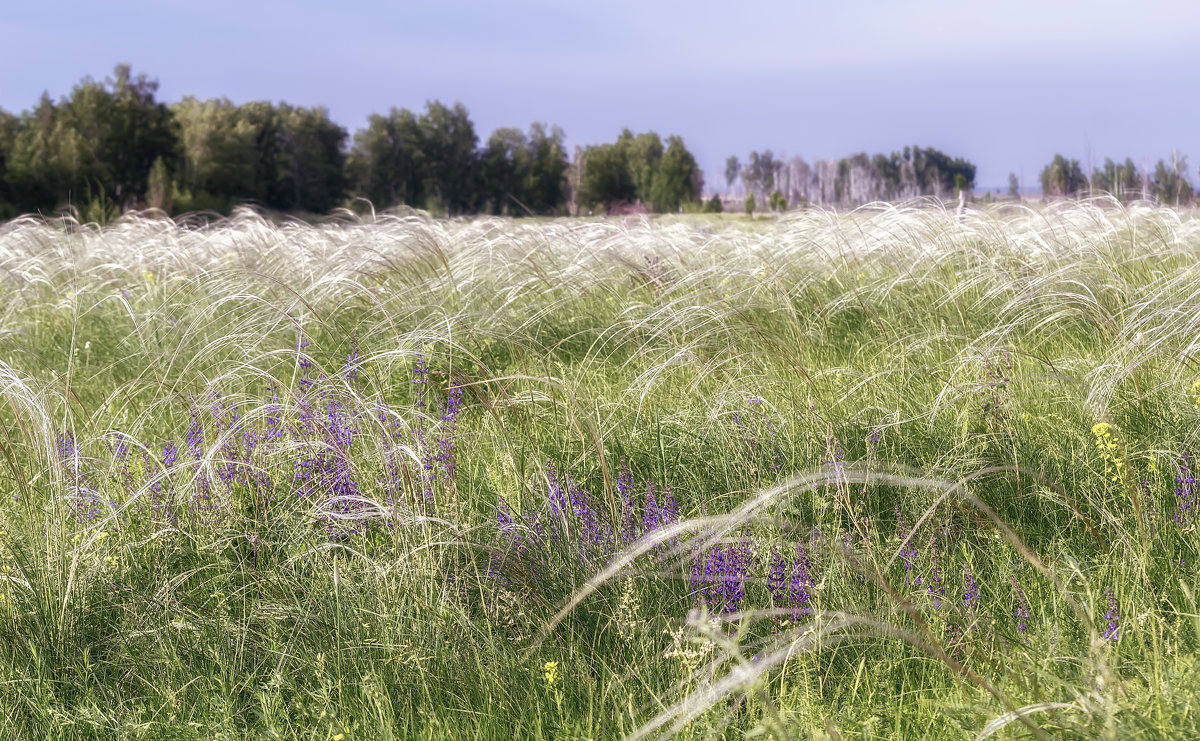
(1005, 84)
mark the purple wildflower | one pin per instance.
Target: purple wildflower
(908, 552)
(274, 412)
(304, 361)
(170, 454)
(1113, 631)
(970, 591)
(1022, 612)
(195, 436)
(791, 584)
(350, 367)
(1185, 489)
(873, 438)
(650, 512)
(449, 428)
(719, 577)
(936, 589)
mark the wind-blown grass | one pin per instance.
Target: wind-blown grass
(890, 473)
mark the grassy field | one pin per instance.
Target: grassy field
(886, 474)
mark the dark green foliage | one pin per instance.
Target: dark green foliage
(1063, 177)
(678, 179)
(221, 153)
(760, 172)
(8, 135)
(104, 137)
(733, 170)
(448, 143)
(101, 140)
(607, 180)
(111, 146)
(433, 161)
(385, 163)
(1121, 180)
(282, 157)
(115, 132)
(312, 160)
(637, 169)
(778, 202)
(524, 175)
(546, 189)
(713, 205)
(34, 169)
(858, 179)
(1170, 184)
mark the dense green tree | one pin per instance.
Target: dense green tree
(8, 137)
(935, 172)
(733, 170)
(36, 174)
(546, 187)
(220, 146)
(759, 173)
(1170, 184)
(1063, 177)
(112, 133)
(100, 142)
(386, 164)
(312, 160)
(643, 153)
(432, 161)
(677, 180)
(448, 148)
(280, 156)
(606, 181)
(638, 169)
(1121, 180)
(506, 167)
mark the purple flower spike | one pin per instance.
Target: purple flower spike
(1113, 631)
(970, 591)
(195, 437)
(1184, 492)
(719, 577)
(1022, 612)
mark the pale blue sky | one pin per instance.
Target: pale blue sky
(1005, 84)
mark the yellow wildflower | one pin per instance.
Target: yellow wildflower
(1109, 445)
(550, 672)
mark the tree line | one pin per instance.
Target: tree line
(112, 145)
(1167, 182)
(850, 181)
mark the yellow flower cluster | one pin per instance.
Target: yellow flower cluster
(1110, 451)
(550, 672)
(1195, 392)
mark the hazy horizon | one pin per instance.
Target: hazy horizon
(1087, 80)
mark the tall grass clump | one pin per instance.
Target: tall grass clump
(890, 473)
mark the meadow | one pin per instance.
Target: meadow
(891, 473)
